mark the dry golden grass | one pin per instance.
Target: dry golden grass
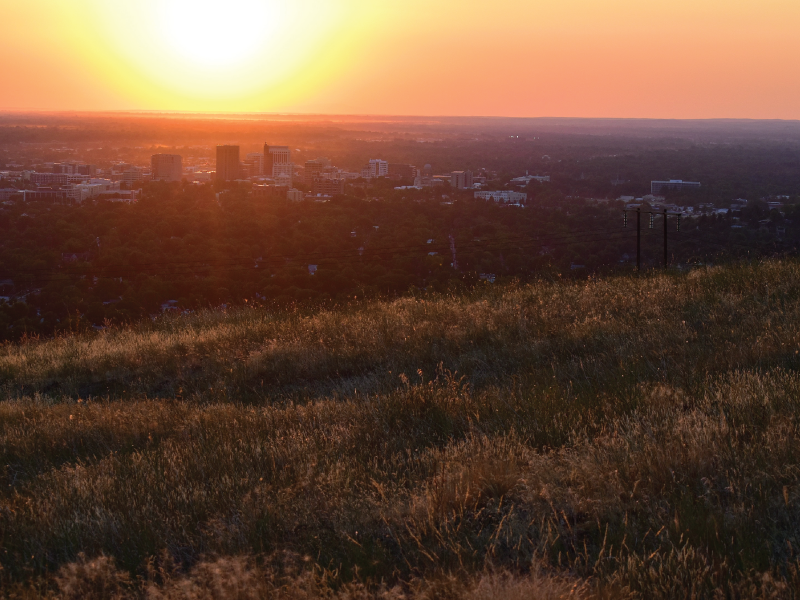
(619, 438)
(661, 326)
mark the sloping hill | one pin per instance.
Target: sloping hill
(623, 437)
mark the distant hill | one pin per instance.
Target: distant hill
(605, 438)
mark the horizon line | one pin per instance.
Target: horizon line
(165, 112)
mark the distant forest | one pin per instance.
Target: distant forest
(181, 248)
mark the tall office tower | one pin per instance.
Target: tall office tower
(312, 171)
(227, 163)
(378, 168)
(166, 167)
(256, 160)
(278, 164)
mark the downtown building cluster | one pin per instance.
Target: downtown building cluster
(270, 172)
(72, 183)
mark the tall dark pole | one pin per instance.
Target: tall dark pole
(666, 261)
(638, 240)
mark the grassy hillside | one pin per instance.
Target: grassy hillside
(612, 438)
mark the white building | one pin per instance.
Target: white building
(93, 188)
(526, 179)
(83, 191)
(503, 196)
(376, 168)
(278, 164)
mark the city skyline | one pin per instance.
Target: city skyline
(579, 58)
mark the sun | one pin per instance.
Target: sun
(218, 34)
(243, 55)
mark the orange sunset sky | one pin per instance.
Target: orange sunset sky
(580, 58)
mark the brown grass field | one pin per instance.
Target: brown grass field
(612, 438)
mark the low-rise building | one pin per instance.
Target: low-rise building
(49, 178)
(95, 188)
(44, 194)
(675, 185)
(120, 195)
(327, 187)
(269, 191)
(526, 179)
(295, 195)
(8, 193)
(319, 197)
(346, 175)
(461, 180)
(75, 169)
(504, 196)
(133, 175)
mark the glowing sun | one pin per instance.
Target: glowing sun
(218, 33)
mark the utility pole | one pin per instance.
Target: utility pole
(453, 251)
(666, 255)
(638, 240)
(639, 232)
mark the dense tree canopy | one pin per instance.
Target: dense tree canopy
(187, 246)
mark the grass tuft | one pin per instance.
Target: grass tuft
(620, 438)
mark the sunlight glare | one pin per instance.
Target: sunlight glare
(212, 34)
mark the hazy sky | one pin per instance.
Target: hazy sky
(583, 58)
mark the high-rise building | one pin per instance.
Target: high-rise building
(319, 167)
(375, 168)
(312, 170)
(255, 162)
(228, 163)
(461, 180)
(166, 167)
(378, 168)
(278, 164)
